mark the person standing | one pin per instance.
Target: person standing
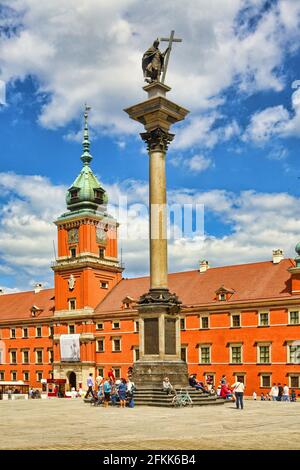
(286, 393)
(238, 390)
(107, 390)
(90, 386)
(223, 380)
(280, 392)
(274, 392)
(254, 395)
(122, 393)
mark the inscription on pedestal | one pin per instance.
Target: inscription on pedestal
(151, 343)
(170, 336)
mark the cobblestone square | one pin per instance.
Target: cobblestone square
(72, 424)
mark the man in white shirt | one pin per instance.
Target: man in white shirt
(286, 393)
(274, 392)
(238, 390)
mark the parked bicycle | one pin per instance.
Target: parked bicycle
(182, 398)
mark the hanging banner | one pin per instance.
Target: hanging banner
(70, 348)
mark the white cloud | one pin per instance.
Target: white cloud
(276, 121)
(195, 164)
(91, 52)
(255, 223)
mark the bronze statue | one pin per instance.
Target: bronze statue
(153, 63)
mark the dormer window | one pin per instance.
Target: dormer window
(127, 302)
(98, 194)
(74, 193)
(223, 294)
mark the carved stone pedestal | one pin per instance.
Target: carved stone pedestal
(159, 312)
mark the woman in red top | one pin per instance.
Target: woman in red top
(111, 376)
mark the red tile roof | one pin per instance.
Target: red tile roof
(253, 281)
(18, 306)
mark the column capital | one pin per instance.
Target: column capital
(157, 140)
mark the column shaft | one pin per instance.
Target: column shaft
(158, 220)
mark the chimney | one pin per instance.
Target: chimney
(204, 266)
(38, 287)
(277, 256)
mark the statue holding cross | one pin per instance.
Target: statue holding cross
(155, 62)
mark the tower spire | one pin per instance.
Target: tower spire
(86, 157)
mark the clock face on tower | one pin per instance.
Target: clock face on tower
(101, 234)
(73, 235)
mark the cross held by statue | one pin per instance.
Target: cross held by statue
(170, 40)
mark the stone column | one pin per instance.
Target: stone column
(159, 309)
(157, 141)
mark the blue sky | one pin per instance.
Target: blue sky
(237, 152)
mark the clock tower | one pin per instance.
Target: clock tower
(87, 265)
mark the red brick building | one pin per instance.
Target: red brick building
(242, 321)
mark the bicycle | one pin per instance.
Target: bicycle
(182, 399)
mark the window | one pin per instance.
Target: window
(71, 329)
(101, 371)
(101, 253)
(222, 296)
(72, 304)
(294, 353)
(13, 333)
(39, 331)
(264, 319)
(116, 343)
(182, 323)
(100, 326)
(26, 357)
(294, 318)
(2, 375)
(236, 354)
(235, 321)
(136, 354)
(13, 375)
(294, 381)
(50, 354)
(136, 326)
(240, 378)
(51, 331)
(100, 345)
(74, 193)
(26, 376)
(73, 252)
(183, 354)
(39, 375)
(25, 332)
(205, 354)
(116, 325)
(13, 357)
(265, 380)
(117, 372)
(104, 285)
(39, 356)
(204, 323)
(264, 354)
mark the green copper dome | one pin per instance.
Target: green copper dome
(86, 192)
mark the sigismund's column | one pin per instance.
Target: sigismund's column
(159, 309)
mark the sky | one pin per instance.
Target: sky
(236, 71)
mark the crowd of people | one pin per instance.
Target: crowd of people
(278, 393)
(110, 390)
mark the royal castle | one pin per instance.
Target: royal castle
(241, 320)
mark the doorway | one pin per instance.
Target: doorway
(72, 380)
